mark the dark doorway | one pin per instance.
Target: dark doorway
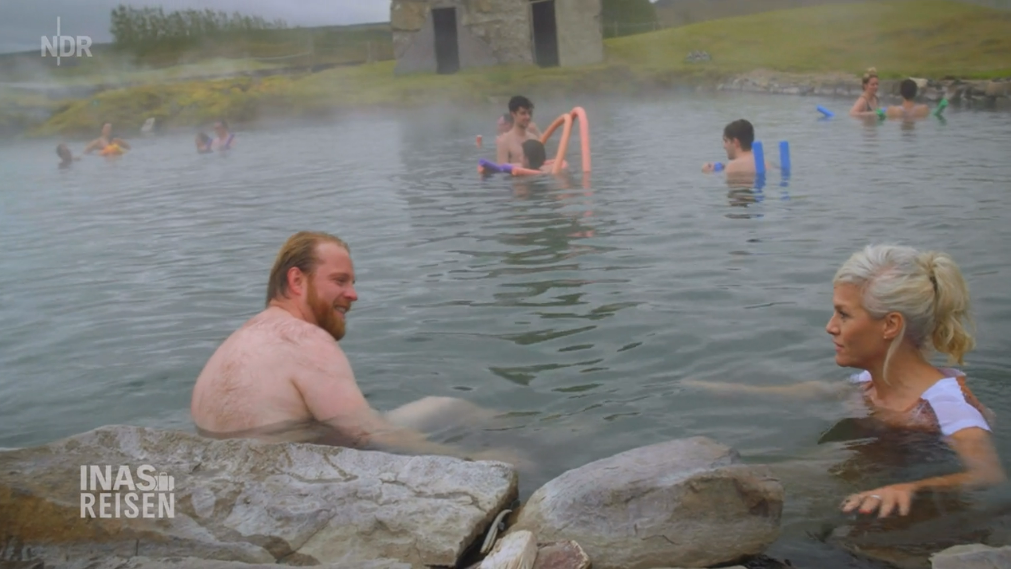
(545, 33)
(447, 48)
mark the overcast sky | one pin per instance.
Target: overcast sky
(24, 22)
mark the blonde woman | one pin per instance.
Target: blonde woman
(892, 306)
(868, 104)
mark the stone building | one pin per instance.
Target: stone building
(444, 36)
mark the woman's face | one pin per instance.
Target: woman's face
(859, 338)
(872, 86)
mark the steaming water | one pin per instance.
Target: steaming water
(578, 307)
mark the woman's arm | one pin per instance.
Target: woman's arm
(982, 468)
(858, 108)
(807, 389)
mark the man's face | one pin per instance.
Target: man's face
(219, 129)
(732, 146)
(330, 290)
(522, 117)
(107, 130)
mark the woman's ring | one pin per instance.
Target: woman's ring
(875, 496)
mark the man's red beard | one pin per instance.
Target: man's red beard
(325, 314)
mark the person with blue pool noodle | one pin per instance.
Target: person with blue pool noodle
(738, 138)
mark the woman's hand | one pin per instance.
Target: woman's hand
(884, 500)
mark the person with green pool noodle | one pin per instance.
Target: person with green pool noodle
(909, 109)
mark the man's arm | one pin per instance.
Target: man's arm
(328, 387)
(501, 150)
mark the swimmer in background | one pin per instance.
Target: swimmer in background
(867, 104)
(66, 158)
(505, 124)
(892, 305)
(738, 137)
(203, 143)
(508, 145)
(104, 140)
(535, 157)
(225, 139)
(908, 109)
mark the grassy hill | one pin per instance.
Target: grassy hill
(925, 38)
(901, 38)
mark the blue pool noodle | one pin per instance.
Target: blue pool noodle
(492, 167)
(825, 111)
(759, 152)
(784, 155)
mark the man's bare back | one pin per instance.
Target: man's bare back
(251, 381)
(282, 376)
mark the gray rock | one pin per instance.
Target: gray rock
(561, 555)
(514, 551)
(972, 557)
(686, 502)
(196, 563)
(248, 501)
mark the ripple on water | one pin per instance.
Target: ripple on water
(577, 306)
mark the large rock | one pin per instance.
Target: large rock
(687, 503)
(248, 501)
(561, 555)
(972, 557)
(196, 563)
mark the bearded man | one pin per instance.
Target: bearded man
(282, 376)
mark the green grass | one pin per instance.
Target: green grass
(920, 38)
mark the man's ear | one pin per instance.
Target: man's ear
(296, 281)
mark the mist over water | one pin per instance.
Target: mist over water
(575, 307)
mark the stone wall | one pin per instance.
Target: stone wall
(580, 38)
(493, 32)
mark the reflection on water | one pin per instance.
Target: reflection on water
(572, 306)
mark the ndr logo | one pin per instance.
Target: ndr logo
(65, 46)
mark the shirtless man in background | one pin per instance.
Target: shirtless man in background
(509, 145)
(282, 376)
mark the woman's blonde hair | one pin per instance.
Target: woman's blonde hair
(869, 74)
(926, 288)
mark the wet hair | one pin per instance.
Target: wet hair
(223, 123)
(908, 89)
(298, 251)
(535, 153)
(741, 130)
(925, 287)
(63, 151)
(520, 102)
(871, 73)
(204, 137)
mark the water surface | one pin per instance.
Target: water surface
(578, 306)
